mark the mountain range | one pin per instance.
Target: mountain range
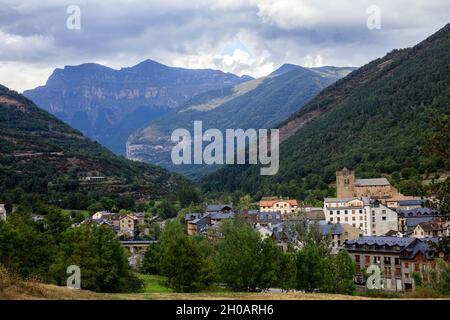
(108, 105)
(258, 103)
(375, 120)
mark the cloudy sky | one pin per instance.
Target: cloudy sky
(244, 37)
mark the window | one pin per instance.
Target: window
(383, 211)
(331, 219)
(346, 219)
(331, 212)
(397, 262)
(417, 267)
(345, 211)
(338, 212)
(357, 258)
(406, 265)
(383, 218)
(360, 211)
(406, 275)
(338, 219)
(353, 218)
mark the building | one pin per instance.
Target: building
(256, 217)
(271, 204)
(339, 233)
(128, 225)
(96, 179)
(405, 203)
(347, 186)
(2, 212)
(369, 215)
(431, 229)
(222, 208)
(409, 219)
(396, 257)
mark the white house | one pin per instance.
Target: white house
(373, 218)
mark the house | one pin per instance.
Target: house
(113, 218)
(410, 218)
(312, 213)
(363, 213)
(265, 232)
(339, 233)
(347, 186)
(397, 258)
(431, 229)
(271, 204)
(222, 208)
(95, 179)
(2, 212)
(202, 223)
(128, 225)
(256, 217)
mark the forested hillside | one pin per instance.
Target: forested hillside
(43, 160)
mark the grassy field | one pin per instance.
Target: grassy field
(69, 211)
(154, 288)
(153, 283)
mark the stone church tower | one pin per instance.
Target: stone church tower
(345, 183)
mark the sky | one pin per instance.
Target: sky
(252, 37)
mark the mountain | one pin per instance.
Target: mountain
(259, 103)
(42, 155)
(374, 120)
(108, 105)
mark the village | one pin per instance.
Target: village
(369, 218)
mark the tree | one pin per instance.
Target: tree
(245, 203)
(152, 258)
(244, 261)
(100, 256)
(187, 196)
(310, 234)
(288, 272)
(182, 261)
(344, 269)
(310, 268)
(165, 209)
(440, 277)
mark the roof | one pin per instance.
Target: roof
(270, 203)
(219, 207)
(391, 233)
(381, 241)
(410, 202)
(431, 226)
(365, 200)
(330, 229)
(417, 212)
(412, 222)
(372, 182)
(220, 216)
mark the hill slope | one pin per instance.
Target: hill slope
(260, 103)
(373, 120)
(41, 154)
(108, 105)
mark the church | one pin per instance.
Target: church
(347, 186)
